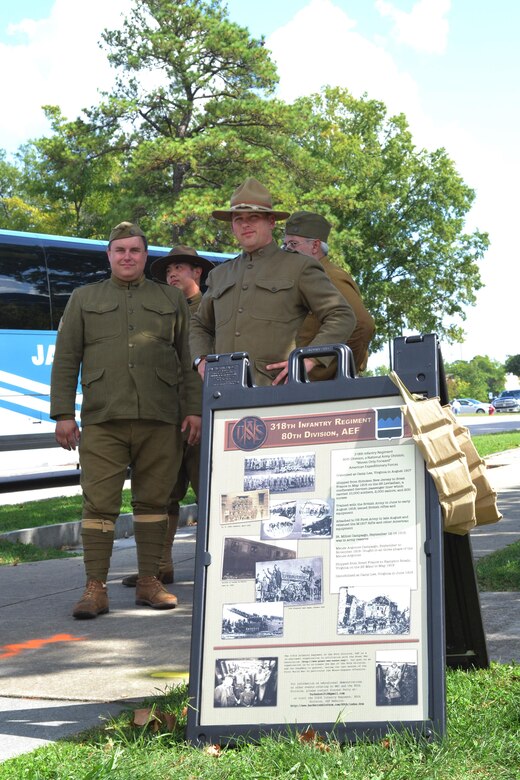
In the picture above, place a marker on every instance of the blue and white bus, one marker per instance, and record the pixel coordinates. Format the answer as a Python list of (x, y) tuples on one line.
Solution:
[(37, 275)]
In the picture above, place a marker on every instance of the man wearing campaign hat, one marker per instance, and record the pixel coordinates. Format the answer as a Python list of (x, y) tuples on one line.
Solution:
[(128, 336), (186, 270), (257, 302), (307, 232)]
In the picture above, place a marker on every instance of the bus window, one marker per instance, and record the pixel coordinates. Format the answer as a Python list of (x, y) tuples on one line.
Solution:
[(71, 268), (24, 294)]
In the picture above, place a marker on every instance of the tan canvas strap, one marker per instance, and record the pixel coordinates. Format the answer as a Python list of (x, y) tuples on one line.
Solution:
[(407, 395), (97, 524), (150, 518)]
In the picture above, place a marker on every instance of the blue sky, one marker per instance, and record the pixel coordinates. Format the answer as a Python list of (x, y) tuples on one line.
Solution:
[(452, 66)]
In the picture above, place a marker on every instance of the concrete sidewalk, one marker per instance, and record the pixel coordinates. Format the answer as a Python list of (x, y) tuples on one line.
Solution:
[(60, 676)]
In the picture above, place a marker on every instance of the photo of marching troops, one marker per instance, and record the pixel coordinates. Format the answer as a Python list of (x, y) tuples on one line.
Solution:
[(248, 682), (367, 611), (243, 507), (280, 474), (241, 621), (293, 582)]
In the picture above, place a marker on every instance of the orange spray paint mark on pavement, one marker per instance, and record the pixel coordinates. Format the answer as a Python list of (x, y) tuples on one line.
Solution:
[(36, 644)]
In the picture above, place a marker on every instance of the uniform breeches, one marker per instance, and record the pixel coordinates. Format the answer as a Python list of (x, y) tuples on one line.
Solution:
[(188, 473), (152, 449)]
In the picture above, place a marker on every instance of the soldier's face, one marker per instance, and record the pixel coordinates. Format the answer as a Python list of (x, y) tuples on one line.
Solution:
[(185, 277), (253, 231), (305, 246), (127, 258)]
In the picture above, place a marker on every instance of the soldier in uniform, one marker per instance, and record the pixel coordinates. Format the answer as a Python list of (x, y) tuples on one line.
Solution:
[(184, 269), (129, 336), (257, 302), (307, 233)]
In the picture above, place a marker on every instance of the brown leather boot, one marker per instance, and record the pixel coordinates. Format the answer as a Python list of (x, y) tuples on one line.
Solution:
[(151, 593), (94, 601), (166, 577)]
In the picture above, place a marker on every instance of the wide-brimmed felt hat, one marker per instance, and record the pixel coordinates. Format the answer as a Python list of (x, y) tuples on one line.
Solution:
[(180, 254), (125, 230), (308, 224), (250, 196)]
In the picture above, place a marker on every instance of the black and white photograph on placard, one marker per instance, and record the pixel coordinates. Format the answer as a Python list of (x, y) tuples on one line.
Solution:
[(246, 682), (315, 518), (282, 521), (299, 581), (244, 507), (257, 620), (242, 553), (280, 473), (374, 610), (396, 678)]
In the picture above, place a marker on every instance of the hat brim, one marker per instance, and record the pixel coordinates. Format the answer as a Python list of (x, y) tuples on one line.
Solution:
[(226, 215), (158, 267)]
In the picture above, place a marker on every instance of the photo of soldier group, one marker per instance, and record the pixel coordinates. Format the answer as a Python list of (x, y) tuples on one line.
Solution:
[(244, 507), (246, 682), (293, 582), (298, 519), (280, 474), (242, 553), (240, 621), (396, 679), (363, 610)]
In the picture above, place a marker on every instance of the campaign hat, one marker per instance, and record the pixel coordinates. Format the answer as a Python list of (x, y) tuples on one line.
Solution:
[(180, 254), (251, 196)]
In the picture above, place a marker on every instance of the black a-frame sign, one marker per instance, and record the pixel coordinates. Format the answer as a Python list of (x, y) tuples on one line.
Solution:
[(319, 593)]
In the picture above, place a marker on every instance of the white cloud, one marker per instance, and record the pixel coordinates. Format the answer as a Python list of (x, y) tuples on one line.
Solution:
[(57, 61), (425, 28), (320, 46)]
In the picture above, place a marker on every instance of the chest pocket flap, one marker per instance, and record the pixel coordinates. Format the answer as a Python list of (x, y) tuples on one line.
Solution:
[(275, 285), (218, 292)]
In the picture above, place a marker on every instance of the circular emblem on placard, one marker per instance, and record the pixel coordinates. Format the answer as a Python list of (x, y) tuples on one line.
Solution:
[(249, 433)]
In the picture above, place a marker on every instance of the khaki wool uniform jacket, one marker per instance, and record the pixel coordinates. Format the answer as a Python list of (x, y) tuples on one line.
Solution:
[(257, 302), (365, 325), (130, 340)]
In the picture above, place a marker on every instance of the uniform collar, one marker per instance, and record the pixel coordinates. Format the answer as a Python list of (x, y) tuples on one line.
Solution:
[(194, 298), (267, 251), (126, 285)]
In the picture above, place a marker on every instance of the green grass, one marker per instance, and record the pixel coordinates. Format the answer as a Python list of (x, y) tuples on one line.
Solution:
[(63, 509), (13, 553), (500, 571), (481, 743), (490, 443)]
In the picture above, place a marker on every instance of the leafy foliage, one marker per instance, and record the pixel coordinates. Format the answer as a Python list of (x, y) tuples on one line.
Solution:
[(475, 378), (512, 365), (398, 213)]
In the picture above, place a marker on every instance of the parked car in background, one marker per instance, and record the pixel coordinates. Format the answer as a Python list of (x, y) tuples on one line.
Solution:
[(471, 406), (507, 401)]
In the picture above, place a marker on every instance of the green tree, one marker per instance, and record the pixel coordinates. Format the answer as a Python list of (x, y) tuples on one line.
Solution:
[(512, 365), (191, 109), (476, 378), (71, 176), (398, 213)]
